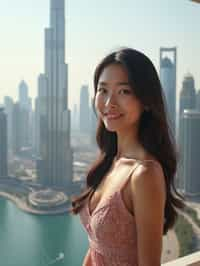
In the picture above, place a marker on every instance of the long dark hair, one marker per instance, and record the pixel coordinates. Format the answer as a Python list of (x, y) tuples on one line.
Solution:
[(154, 132)]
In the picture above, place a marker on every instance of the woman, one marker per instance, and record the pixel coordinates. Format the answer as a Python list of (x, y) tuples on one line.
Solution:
[(130, 198)]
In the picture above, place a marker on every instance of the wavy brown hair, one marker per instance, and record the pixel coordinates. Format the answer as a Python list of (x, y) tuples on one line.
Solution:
[(154, 132)]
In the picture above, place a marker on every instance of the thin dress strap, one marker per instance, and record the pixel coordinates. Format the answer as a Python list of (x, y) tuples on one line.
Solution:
[(125, 181)]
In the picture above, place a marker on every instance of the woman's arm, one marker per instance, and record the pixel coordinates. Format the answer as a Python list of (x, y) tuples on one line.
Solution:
[(148, 196), (87, 260)]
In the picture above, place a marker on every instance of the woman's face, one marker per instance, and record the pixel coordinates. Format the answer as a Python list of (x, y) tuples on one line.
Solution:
[(115, 102)]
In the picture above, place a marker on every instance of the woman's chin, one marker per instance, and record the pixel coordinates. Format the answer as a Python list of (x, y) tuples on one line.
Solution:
[(111, 129), (113, 125)]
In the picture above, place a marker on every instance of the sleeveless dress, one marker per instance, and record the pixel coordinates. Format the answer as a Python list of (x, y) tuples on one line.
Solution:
[(111, 230)]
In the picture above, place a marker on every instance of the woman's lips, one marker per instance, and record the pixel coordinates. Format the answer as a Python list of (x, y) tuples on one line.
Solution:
[(113, 116)]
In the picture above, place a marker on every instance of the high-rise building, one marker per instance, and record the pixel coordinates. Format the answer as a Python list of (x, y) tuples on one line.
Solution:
[(84, 110), (24, 127), (93, 123), (25, 114), (168, 81), (75, 118), (187, 98), (56, 157), (41, 116), (8, 103), (187, 94), (198, 100), (31, 134), (23, 94), (189, 181), (16, 126), (3, 144), (36, 141)]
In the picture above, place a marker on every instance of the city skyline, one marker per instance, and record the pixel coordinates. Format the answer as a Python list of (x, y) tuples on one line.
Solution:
[(136, 24)]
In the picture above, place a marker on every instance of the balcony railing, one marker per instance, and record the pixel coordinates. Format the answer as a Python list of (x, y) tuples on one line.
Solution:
[(189, 260)]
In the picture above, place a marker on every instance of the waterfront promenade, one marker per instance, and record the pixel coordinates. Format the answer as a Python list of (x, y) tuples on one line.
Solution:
[(22, 204)]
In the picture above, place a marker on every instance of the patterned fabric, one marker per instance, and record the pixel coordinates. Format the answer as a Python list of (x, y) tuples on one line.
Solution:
[(111, 230)]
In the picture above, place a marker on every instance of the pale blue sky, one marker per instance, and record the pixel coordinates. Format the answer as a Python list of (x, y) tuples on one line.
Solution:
[(94, 28)]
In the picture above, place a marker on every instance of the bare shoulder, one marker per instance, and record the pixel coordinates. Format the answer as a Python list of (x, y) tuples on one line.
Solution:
[(148, 176)]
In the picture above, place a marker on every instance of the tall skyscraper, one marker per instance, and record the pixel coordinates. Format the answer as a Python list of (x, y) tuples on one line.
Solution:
[(75, 118), (187, 98), (25, 114), (84, 110), (23, 94), (54, 116), (8, 103), (187, 94), (16, 126), (198, 100), (31, 133), (3, 144), (168, 81), (41, 116), (189, 180)]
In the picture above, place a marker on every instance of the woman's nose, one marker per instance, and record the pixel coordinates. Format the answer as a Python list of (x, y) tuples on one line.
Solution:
[(111, 100)]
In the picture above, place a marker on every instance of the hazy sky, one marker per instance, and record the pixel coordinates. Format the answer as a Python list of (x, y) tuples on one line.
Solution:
[(93, 29)]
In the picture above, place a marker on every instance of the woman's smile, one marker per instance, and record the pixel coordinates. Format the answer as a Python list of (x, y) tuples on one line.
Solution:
[(113, 116)]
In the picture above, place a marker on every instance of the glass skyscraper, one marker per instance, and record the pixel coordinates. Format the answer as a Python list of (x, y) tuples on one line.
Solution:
[(53, 117)]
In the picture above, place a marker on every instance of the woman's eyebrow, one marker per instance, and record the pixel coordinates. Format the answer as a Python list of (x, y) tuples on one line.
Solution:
[(123, 83), (118, 83)]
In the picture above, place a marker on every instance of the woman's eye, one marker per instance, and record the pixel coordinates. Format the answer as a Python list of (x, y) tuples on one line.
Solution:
[(125, 91), (101, 90)]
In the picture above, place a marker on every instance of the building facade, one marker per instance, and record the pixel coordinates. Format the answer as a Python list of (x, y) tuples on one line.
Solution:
[(53, 116), (16, 125), (198, 100), (187, 97), (3, 145), (8, 103), (189, 181), (25, 114), (187, 94), (168, 81), (84, 110)]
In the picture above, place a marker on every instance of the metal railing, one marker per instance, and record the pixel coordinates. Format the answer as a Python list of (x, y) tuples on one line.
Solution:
[(189, 260)]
